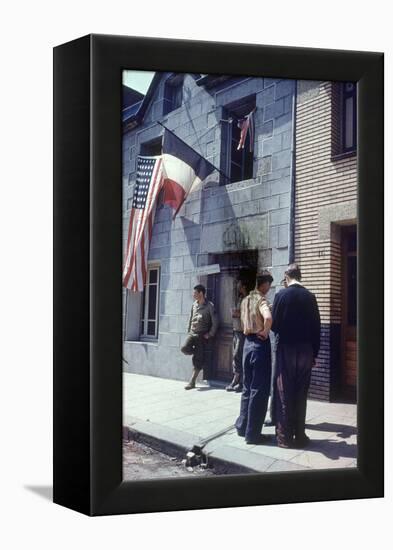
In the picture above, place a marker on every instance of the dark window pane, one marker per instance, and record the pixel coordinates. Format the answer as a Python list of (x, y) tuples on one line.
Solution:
[(153, 275), (151, 328), (152, 302), (352, 242), (349, 115), (352, 286)]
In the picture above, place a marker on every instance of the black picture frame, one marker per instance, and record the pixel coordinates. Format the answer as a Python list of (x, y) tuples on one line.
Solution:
[(87, 275)]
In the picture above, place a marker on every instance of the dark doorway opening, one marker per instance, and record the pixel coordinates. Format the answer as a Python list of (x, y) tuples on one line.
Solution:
[(222, 290), (348, 378)]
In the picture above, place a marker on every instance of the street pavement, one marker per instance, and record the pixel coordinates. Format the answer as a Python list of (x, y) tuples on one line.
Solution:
[(164, 411)]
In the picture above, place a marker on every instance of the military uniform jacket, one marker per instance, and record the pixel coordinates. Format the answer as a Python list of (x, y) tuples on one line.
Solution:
[(203, 319)]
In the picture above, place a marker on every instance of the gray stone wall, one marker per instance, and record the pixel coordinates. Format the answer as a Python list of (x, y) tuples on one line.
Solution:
[(248, 215)]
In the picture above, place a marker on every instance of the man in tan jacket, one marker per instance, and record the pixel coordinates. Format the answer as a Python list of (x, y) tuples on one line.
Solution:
[(256, 321)]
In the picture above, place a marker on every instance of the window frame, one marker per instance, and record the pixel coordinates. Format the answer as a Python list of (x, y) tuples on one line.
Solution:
[(231, 112), (345, 96), (144, 311), (173, 93)]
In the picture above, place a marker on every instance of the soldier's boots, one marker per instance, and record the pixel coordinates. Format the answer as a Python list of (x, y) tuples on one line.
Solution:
[(191, 383)]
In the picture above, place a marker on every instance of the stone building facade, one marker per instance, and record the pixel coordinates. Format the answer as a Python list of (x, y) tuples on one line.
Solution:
[(239, 220)]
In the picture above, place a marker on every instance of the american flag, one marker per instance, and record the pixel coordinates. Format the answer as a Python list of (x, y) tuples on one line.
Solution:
[(148, 184), (246, 124)]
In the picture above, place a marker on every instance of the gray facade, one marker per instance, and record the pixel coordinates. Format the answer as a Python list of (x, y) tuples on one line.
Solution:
[(249, 215)]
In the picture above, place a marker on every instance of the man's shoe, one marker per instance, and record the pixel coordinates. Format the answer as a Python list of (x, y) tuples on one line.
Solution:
[(190, 386), (301, 442), (283, 445), (233, 384), (238, 388), (258, 440)]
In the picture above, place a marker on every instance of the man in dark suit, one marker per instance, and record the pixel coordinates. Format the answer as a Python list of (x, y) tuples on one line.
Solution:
[(296, 321)]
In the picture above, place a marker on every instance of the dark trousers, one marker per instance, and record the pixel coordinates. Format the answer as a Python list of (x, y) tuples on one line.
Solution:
[(293, 373), (195, 345), (256, 386), (237, 361)]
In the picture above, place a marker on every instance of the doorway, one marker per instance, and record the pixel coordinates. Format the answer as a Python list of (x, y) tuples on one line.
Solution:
[(222, 291), (349, 312)]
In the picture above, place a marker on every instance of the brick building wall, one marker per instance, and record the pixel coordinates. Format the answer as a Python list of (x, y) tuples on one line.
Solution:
[(325, 201)]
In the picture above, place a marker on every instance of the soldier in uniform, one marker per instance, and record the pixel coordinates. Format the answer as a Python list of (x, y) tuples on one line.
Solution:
[(256, 320), (202, 326)]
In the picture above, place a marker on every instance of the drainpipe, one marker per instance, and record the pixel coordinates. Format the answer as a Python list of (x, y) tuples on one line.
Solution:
[(291, 251)]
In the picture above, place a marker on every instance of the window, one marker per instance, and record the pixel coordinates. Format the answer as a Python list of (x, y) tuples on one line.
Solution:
[(150, 300), (344, 119), (348, 120), (173, 93), (237, 164)]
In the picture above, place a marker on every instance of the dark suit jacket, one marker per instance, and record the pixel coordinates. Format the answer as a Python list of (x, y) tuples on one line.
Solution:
[(296, 317)]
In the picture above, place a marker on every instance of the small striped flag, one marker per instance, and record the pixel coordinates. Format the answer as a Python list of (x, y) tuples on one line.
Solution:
[(246, 125), (147, 187)]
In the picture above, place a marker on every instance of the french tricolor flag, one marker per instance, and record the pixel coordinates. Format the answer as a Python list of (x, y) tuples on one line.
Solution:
[(184, 170)]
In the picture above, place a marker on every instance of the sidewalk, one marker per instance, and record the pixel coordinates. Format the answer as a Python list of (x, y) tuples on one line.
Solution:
[(161, 410)]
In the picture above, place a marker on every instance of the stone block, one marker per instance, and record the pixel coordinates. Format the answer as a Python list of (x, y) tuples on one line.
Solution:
[(159, 252), (169, 339), (286, 140), (265, 97), (260, 191), (277, 175), (189, 263), (175, 265), (273, 236), (212, 119), (274, 110), (266, 130), (170, 303), (238, 196), (281, 184), (283, 235), (185, 302), (264, 259), (264, 166), (281, 160), (269, 82), (285, 200), (288, 103), (164, 280), (284, 87), (203, 259), (283, 123), (192, 207), (280, 256), (279, 217), (217, 215), (164, 323), (159, 240), (269, 203)]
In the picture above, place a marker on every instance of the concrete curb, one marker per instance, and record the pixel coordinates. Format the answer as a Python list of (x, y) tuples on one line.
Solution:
[(177, 443)]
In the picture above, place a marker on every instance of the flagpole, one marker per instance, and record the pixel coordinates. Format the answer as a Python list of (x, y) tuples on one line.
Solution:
[(189, 146)]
